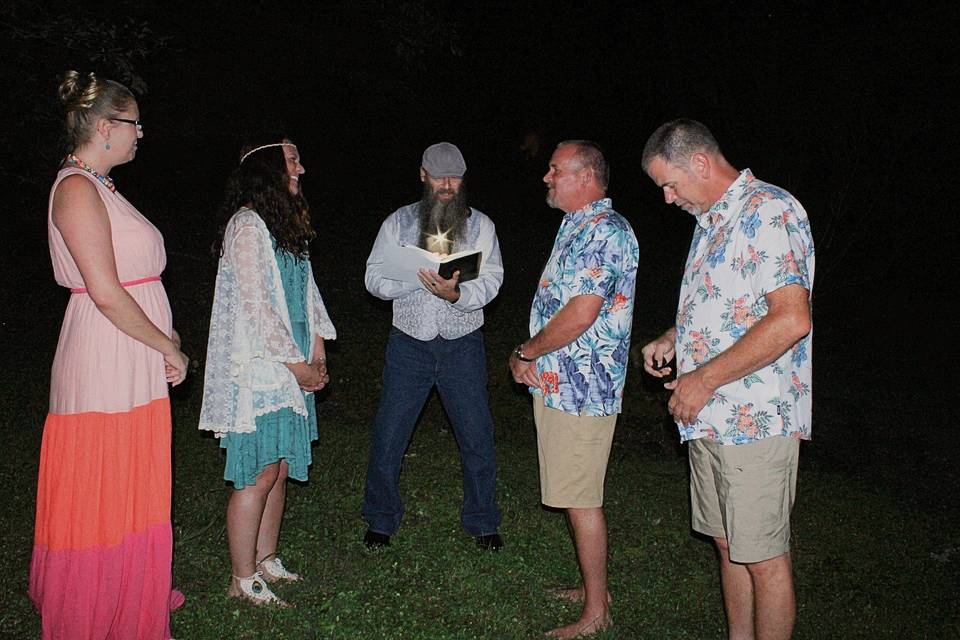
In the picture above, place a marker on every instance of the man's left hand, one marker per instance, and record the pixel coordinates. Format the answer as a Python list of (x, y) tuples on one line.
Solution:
[(689, 397), (448, 290), (523, 372)]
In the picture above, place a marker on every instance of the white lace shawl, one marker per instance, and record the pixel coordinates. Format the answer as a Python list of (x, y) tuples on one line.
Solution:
[(250, 333)]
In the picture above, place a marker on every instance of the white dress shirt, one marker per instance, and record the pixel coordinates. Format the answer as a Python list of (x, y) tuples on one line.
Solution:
[(416, 311)]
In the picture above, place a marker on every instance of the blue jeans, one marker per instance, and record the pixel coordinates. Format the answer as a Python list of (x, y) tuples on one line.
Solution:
[(459, 371)]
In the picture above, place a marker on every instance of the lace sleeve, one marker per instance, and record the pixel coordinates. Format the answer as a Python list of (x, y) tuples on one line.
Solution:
[(320, 324), (260, 301)]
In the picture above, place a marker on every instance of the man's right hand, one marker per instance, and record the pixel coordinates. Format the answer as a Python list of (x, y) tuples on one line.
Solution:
[(658, 353)]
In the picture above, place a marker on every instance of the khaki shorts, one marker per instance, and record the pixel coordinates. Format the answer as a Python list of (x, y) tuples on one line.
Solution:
[(573, 452), (744, 493)]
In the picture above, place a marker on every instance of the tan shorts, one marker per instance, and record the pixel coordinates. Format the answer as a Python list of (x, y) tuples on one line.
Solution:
[(744, 493), (573, 453)]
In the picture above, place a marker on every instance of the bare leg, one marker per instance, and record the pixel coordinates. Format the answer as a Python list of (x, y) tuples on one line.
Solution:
[(758, 597), (573, 594), (272, 515), (244, 515), (775, 608), (737, 594), (589, 527)]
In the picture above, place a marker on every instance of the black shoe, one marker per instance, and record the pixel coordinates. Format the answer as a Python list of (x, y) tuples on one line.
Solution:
[(375, 539), (490, 542)]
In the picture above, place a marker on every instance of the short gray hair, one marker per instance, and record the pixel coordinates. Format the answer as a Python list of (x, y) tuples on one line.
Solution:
[(677, 140), (590, 156)]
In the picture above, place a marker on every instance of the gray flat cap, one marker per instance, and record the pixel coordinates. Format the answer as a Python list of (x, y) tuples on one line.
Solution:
[(443, 160)]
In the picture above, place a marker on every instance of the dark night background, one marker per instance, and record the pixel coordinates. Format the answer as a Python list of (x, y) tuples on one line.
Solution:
[(846, 107), (849, 108)]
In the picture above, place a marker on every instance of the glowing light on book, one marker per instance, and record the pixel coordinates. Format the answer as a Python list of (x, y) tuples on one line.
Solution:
[(438, 242)]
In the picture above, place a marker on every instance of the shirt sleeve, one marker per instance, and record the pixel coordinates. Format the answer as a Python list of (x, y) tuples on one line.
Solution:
[(780, 249), (598, 262), (376, 284), (484, 288)]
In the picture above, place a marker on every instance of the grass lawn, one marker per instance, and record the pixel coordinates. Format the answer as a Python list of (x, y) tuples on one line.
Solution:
[(868, 565)]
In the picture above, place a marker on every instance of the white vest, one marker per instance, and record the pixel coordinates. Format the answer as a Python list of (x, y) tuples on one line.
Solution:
[(416, 311)]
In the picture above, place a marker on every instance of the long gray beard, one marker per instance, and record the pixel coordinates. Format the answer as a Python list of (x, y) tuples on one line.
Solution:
[(437, 216)]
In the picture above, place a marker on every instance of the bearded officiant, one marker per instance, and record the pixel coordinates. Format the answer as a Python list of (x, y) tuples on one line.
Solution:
[(435, 341)]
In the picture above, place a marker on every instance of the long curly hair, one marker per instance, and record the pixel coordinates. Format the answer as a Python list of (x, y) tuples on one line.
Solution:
[(261, 183)]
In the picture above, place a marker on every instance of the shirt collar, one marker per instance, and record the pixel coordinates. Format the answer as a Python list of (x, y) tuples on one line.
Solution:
[(592, 209), (724, 208)]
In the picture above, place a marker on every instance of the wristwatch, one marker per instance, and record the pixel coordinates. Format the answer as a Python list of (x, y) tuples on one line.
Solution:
[(519, 353)]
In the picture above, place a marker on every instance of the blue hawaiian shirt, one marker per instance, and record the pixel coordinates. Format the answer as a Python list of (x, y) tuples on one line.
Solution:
[(752, 241), (595, 253)]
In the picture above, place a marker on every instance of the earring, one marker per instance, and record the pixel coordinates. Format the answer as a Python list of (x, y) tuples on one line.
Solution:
[(107, 146)]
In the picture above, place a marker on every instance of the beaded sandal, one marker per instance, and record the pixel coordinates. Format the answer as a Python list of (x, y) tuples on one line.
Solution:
[(254, 588), (273, 570)]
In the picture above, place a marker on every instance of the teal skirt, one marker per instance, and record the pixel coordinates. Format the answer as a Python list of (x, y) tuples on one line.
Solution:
[(280, 435)]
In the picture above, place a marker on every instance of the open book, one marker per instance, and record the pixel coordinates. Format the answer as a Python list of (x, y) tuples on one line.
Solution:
[(402, 263)]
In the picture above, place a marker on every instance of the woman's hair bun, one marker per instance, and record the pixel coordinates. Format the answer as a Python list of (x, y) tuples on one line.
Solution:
[(78, 91)]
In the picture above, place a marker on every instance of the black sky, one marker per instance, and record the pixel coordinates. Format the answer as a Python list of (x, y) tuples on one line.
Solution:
[(847, 106)]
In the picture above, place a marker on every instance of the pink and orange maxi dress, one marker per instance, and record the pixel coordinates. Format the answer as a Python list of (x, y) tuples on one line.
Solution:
[(103, 545)]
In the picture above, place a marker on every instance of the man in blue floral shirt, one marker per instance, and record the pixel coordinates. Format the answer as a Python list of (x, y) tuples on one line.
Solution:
[(575, 363), (742, 343)]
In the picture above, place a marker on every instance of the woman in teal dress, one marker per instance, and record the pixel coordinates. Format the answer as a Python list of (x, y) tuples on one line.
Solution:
[(265, 358)]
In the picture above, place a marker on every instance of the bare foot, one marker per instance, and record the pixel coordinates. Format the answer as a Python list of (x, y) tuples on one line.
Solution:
[(582, 627), (573, 594)]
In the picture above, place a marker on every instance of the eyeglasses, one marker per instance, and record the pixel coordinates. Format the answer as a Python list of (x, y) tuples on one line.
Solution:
[(135, 123)]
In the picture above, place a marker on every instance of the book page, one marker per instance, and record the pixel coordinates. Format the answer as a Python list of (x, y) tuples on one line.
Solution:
[(402, 263)]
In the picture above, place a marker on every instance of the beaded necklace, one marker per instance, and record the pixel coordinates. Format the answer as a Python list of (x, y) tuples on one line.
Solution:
[(74, 161)]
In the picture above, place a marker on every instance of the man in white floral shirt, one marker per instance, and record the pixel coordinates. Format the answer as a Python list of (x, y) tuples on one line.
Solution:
[(742, 343)]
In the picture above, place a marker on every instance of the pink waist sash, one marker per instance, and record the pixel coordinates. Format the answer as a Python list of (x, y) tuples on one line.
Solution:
[(131, 283)]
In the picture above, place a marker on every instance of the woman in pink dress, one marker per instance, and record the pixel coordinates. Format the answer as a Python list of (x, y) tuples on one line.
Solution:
[(103, 545)]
